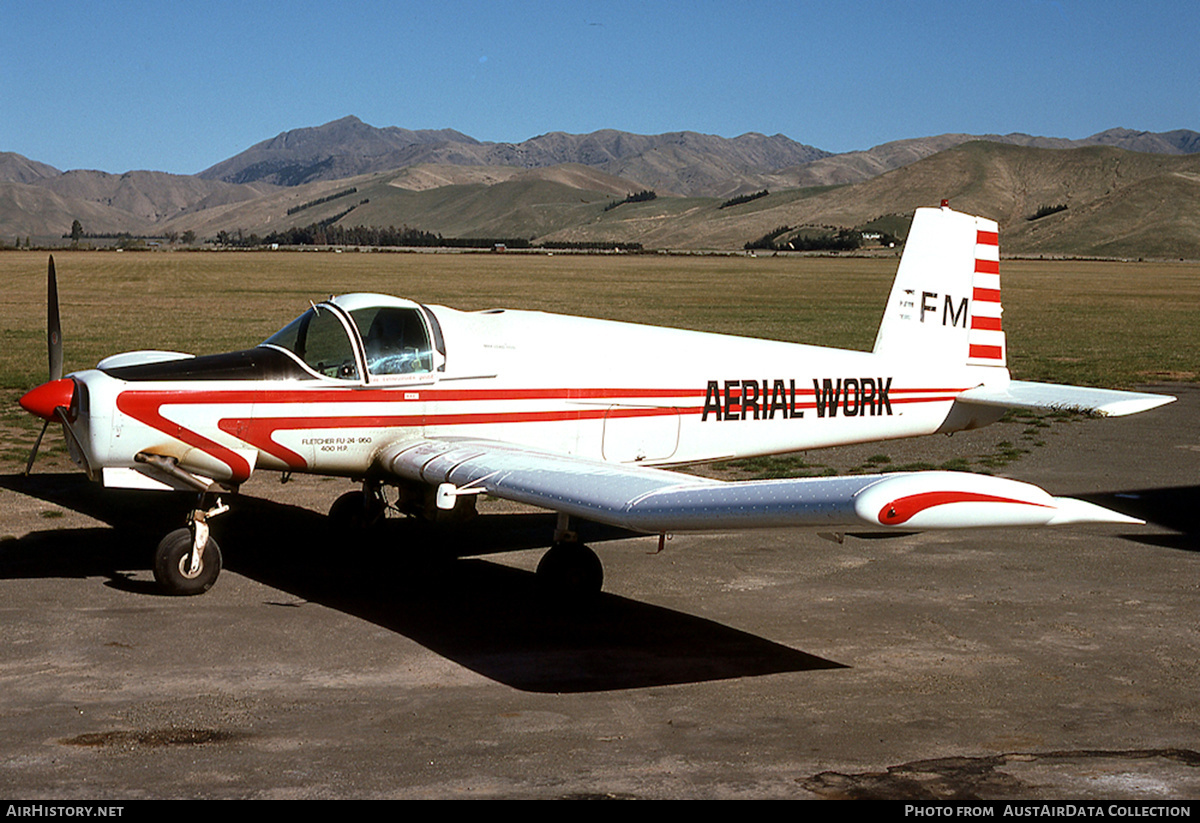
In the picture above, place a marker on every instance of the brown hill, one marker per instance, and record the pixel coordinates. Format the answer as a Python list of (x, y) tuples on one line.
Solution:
[(343, 148), (150, 196), (858, 166), (40, 201), (682, 162), (15, 168), (1119, 203), (574, 175), (33, 211), (455, 201)]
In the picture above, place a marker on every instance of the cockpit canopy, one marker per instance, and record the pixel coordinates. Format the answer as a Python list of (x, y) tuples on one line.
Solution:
[(339, 338)]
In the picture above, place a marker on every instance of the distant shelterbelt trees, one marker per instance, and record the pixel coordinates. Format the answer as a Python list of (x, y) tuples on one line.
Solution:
[(641, 197), (743, 198), (589, 245), (325, 199), (326, 234), (841, 240), (1046, 211), (767, 241)]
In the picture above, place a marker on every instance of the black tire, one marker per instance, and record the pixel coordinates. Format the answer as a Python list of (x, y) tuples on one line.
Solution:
[(570, 571), (170, 560), (353, 512)]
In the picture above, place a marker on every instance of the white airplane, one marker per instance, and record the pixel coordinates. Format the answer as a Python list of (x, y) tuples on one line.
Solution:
[(576, 415)]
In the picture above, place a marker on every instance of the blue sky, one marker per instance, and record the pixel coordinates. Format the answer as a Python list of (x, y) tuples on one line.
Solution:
[(178, 87)]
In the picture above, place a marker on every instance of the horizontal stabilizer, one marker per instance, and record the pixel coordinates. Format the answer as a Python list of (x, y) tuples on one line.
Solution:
[(1020, 394)]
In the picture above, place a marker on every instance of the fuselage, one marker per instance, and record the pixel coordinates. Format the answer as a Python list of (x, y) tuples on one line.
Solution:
[(591, 388)]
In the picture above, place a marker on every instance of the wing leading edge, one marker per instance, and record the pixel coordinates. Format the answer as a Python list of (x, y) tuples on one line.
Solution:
[(654, 500)]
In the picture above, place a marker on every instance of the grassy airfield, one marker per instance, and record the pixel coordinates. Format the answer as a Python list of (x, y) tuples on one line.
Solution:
[(1091, 323)]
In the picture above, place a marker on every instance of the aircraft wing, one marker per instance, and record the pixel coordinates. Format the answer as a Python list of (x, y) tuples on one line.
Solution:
[(650, 500), (1021, 394)]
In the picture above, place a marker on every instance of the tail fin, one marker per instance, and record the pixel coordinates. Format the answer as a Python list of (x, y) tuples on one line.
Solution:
[(945, 301), (945, 309)]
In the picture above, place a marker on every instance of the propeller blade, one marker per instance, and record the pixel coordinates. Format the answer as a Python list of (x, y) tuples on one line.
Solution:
[(53, 325), (54, 346), (36, 445)]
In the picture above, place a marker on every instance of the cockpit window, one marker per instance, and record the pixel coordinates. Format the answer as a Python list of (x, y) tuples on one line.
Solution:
[(395, 340), (319, 339)]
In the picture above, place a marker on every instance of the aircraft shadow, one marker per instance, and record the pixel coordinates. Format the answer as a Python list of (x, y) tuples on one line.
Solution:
[(482, 615), (1174, 507)]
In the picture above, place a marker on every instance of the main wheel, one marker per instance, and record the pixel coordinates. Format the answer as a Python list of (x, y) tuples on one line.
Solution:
[(171, 564), (356, 512), (570, 570)]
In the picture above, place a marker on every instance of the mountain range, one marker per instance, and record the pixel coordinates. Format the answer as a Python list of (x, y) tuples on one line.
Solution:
[(1127, 193)]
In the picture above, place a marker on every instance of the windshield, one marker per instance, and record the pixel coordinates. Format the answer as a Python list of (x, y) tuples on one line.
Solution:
[(394, 339), (319, 339)]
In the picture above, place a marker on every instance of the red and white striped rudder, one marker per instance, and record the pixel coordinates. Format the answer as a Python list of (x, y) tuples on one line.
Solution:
[(945, 302), (986, 337)]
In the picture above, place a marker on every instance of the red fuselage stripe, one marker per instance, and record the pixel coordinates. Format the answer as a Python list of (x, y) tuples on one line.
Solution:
[(258, 430), (146, 407)]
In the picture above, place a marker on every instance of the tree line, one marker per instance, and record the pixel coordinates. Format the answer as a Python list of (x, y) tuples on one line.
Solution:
[(640, 197), (320, 200), (742, 198), (326, 234), (841, 240)]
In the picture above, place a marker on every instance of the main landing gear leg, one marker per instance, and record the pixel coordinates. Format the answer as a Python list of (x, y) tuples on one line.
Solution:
[(359, 511), (188, 560), (569, 569)]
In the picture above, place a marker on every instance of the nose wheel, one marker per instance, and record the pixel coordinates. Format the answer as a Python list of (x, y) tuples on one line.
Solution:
[(188, 560)]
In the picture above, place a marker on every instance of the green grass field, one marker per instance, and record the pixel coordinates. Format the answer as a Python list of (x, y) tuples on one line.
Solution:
[(1092, 323)]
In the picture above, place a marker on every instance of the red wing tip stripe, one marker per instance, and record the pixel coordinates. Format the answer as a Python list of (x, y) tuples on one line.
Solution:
[(987, 238), (903, 509), (987, 266)]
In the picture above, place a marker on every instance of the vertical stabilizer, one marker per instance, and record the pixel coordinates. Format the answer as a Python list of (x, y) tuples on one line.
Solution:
[(945, 301)]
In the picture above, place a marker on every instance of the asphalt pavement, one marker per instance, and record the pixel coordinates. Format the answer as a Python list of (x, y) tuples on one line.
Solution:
[(990, 664)]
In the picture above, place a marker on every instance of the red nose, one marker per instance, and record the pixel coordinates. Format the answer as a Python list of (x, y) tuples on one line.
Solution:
[(43, 400)]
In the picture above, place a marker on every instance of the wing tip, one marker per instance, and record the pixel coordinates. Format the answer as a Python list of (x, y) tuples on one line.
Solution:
[(1140, 403), (1070, 510)]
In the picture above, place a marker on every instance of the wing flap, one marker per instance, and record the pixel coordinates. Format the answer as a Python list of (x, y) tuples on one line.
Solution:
[(1021, 394), (654, 500)]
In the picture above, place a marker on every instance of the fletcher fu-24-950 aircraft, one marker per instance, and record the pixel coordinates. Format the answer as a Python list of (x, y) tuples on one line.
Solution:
[(576, 415)]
